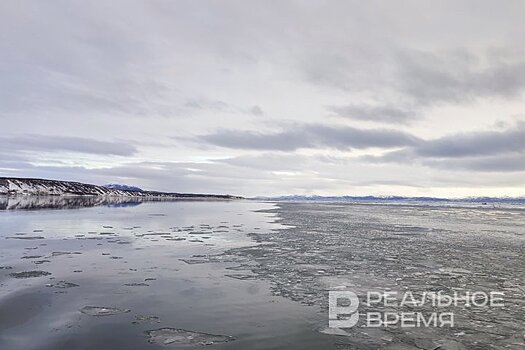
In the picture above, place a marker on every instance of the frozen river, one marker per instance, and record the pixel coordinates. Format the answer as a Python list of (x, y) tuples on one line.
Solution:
[(244, 274)]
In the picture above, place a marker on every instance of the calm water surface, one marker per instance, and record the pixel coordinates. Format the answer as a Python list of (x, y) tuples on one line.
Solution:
[(257, 272), (147, 259)]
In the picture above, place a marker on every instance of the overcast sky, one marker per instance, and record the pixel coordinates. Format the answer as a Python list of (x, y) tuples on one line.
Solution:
[(266, 97)]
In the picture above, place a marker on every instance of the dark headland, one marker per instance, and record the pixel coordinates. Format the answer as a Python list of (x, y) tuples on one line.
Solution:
[(10, 186)]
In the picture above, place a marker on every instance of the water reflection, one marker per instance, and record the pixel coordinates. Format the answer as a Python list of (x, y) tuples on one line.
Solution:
[(143, 277), (69, 202)]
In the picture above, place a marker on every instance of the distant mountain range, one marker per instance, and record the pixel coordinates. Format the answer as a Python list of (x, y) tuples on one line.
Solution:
[(481, 200), (41, 187), (123, 187)]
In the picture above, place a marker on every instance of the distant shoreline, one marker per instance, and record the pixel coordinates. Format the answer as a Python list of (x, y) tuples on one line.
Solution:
[(12, 187)]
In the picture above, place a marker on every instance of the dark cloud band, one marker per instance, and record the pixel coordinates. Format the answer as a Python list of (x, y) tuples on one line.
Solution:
[(65, 144), (311, 136)]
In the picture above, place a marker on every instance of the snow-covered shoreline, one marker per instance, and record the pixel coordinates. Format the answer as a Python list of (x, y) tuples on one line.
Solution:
[(44, 187)]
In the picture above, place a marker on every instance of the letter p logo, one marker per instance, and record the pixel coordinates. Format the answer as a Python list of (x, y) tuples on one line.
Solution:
[(342, 309)]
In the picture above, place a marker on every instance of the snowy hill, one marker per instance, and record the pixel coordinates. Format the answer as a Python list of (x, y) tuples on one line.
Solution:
[(42, 187), (123, 187)]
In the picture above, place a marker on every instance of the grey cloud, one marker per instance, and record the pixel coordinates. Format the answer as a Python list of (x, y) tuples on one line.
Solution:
[(283, 141), (400, 156), (311, 136), (494, 164), (267, 162), (490, 151), (276, 161), (476, 143), (429, 78), (386, 114), (257, 111), (48, 143), (490, 164), (464, 145), (204, 103), (421, 78)]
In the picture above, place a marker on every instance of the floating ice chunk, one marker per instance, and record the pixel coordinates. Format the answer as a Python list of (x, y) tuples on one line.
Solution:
[(451, 345), (64, 285), (136, 284), (29, 274), (177, 336), (334, 331), (40, 262), (64, 253), (241, 276), (102, 311), (145, 318)]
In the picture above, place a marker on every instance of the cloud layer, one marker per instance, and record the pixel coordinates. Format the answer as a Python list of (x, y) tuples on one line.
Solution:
[(252, 98), (55, 143), (310, 136)]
